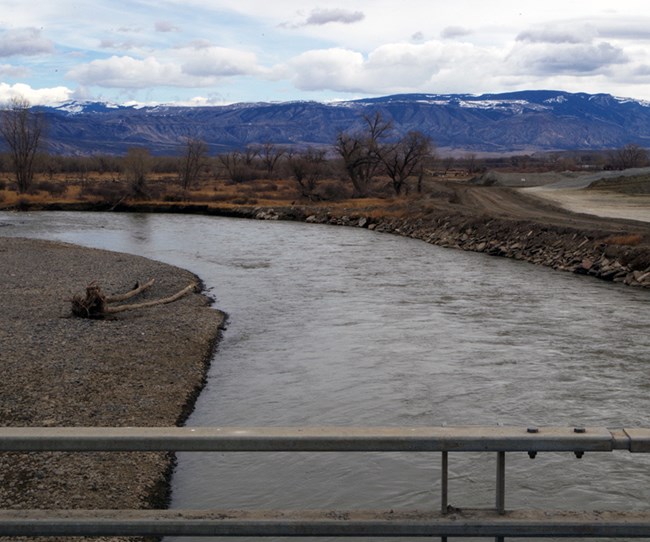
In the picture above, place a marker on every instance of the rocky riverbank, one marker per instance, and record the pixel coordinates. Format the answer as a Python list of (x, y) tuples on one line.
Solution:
[(609, 254), (139, 368), (608, 249)]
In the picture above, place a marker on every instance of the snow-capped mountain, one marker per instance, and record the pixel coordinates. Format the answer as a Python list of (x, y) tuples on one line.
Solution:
[(518, 121)]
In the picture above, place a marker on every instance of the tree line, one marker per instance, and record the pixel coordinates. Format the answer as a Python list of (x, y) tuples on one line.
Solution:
[(372, 151)]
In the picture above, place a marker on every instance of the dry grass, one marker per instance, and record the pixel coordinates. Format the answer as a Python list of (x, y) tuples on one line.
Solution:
[(632, 186), (105, 188), (624, 240)]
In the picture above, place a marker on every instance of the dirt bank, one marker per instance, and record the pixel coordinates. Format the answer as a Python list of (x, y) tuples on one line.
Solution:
[(141, 368)]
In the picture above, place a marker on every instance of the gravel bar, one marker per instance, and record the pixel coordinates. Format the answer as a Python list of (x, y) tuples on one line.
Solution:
[(136, 368)]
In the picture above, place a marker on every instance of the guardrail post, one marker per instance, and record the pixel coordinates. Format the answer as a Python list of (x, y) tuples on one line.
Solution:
[(501, 487), (444, 483), (501, 482)]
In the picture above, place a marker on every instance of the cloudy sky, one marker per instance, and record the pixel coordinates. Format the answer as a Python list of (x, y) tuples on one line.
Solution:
[(225, 51)]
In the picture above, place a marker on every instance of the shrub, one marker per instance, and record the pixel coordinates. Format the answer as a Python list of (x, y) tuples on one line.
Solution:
[(244, 201), (334, 191), (54, 189), (111, 192), (221, 197)]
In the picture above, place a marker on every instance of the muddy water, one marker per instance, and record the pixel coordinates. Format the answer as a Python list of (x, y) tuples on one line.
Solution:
[(337, 326)]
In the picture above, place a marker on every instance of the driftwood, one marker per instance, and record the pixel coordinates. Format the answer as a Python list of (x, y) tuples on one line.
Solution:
[(138, 288), (95, 304)]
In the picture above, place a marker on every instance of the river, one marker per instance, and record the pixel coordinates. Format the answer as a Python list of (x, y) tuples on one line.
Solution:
[(343, 326)]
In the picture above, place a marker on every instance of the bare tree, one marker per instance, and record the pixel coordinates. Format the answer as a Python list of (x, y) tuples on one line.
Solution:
[(229, 162), (406, 157), (194, 158), (360, 152), (629, 156), (22, 129), (271, 155), (138, 163), (307, 168), (249, 154)]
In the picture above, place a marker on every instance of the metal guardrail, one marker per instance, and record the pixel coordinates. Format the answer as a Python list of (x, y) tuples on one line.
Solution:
[(446, 522)]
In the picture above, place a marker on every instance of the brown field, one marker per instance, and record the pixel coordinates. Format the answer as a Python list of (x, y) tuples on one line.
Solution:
[(165, 189)]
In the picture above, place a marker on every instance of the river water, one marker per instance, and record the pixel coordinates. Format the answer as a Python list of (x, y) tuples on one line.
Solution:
[(342, 326)]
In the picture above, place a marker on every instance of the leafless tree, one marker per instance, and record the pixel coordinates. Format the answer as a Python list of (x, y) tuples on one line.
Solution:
[(360, 152), (271, 154), (195, 154), (306, 168), (138, 163), (406, 157), (22, 130), (629, 156), (249, 154), (229, 162)]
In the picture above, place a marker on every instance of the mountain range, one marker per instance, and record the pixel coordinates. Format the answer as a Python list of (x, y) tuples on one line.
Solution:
[(515, 122)]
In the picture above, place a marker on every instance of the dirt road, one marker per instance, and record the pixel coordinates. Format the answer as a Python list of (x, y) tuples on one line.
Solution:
[(569, 191), (604, 204), (524, 204)]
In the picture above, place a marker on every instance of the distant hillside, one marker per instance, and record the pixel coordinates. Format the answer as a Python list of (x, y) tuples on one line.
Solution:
[(518, 121)]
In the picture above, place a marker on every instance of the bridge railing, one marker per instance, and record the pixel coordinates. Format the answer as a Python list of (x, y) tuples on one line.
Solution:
[(444, 522)]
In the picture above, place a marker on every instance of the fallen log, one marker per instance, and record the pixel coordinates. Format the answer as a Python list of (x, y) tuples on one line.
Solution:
[(96, 304)]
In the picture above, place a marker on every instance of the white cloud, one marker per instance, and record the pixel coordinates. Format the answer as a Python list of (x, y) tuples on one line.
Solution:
[(24, 41), (166, 26), (549, 35), (398, 67), (325, 16), (241, 49), (122, 46), (7, 70), (187, 67), (211, 61), (333, 69), (623, 28), (40, 96), (560, 32), (328, 15), (451, 32), (566, 58), (127, 72)]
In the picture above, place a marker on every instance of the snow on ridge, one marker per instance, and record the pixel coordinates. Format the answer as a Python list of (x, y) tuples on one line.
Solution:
[(71, 107), (560, 99), (74, 107), (623, 100), (516, 106), (433, 102)]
